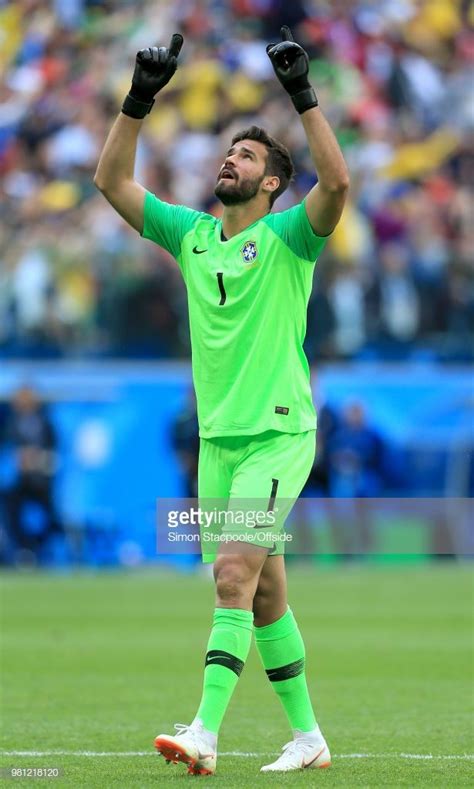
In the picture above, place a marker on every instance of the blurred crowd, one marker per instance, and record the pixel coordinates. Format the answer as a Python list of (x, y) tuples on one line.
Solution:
[(394, 78)]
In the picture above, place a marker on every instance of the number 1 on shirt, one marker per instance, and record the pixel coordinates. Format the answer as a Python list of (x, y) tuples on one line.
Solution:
[(220, 282)]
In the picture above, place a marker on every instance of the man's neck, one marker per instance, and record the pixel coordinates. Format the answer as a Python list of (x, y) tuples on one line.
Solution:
[(236, 218)]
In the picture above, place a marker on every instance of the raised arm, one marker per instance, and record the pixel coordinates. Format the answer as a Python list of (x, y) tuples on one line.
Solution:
[(114, 177), (326, 200)]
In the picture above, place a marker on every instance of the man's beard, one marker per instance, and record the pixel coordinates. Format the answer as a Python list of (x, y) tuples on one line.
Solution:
[(232, 193)]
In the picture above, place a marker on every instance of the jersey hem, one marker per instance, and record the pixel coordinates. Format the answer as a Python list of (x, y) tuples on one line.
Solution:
[(252, 431)]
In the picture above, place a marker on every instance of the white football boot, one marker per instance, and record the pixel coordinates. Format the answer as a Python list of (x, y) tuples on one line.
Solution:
[(193, 745), (306, 750)]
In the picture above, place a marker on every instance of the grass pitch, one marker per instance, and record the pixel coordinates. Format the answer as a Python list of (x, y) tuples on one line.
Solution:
[(99, 664)]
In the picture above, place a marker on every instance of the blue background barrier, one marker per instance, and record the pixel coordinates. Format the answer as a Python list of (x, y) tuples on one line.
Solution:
[(114, 423)]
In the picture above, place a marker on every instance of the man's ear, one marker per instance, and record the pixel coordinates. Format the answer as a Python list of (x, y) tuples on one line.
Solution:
[(270, 183)]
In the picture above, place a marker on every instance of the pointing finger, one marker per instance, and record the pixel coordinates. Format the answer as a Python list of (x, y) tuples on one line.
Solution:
[(176, 44), (286, 34)]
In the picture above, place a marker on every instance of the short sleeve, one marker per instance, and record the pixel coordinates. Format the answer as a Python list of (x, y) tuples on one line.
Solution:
[(167, 224), (294, 229)]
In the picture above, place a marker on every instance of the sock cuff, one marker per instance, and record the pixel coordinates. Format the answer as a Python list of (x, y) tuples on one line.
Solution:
[(283, 627), (237, 617)]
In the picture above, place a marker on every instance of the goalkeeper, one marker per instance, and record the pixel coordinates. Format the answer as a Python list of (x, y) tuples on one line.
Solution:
[(248, 278)]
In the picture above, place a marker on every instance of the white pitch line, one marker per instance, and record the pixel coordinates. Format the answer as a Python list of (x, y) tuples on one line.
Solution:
[(427, 756)]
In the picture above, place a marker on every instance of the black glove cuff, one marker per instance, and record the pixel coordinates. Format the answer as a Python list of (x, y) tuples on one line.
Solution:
[(135, 108), (304, 100)]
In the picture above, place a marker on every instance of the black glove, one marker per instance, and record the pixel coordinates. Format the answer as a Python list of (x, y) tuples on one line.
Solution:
[(154, 68), (291, 65)]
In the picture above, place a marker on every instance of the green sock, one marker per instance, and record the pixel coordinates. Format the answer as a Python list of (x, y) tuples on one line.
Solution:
[(283, 656), (227, 651)]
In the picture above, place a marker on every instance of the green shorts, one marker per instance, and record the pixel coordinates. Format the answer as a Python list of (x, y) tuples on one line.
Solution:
[(252, 482)]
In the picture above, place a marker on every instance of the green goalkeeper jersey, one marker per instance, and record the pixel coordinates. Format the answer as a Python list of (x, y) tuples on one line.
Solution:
[(247, 298)]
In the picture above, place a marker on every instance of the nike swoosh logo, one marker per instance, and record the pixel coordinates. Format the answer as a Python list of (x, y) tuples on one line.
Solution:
[(308, 764), (199, 251)]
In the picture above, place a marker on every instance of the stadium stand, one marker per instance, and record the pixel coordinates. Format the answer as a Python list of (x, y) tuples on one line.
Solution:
[(394, 79)]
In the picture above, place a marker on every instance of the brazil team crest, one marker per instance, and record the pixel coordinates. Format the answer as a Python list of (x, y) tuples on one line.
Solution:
[(249, 252)]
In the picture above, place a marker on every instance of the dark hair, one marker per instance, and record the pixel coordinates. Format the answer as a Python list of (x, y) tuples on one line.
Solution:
[(278, 160)]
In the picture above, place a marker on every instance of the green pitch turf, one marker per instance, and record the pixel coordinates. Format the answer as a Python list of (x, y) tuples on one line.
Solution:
[(103, 663)]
